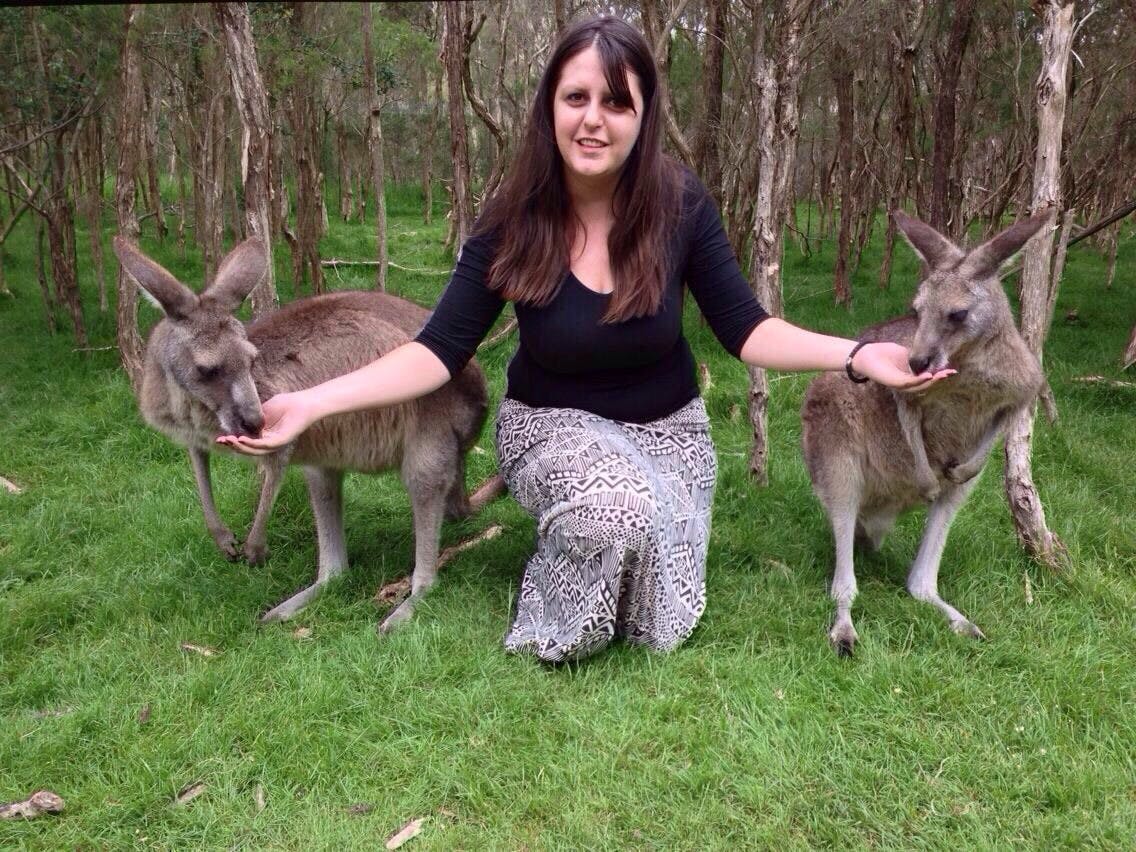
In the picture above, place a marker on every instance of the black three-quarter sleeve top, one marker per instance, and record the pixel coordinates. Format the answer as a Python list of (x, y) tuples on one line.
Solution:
[(636, 371)]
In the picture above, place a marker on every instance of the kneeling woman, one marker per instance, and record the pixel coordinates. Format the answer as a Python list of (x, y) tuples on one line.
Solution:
[(602, 435)]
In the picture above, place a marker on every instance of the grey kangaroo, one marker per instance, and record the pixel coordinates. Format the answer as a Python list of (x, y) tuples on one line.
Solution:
[(873, 452), (205, 374)]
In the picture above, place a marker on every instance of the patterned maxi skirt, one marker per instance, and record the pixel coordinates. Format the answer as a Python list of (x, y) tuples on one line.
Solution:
[(623, 523)]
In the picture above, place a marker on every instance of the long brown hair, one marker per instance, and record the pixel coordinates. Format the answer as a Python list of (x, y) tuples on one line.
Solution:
[(531, 217)]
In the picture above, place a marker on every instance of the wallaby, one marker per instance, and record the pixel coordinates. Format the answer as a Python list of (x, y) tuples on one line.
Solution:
[(873, 452), (205, 374)]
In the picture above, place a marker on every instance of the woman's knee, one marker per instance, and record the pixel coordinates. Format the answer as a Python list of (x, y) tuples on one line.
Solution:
[(608, 513)]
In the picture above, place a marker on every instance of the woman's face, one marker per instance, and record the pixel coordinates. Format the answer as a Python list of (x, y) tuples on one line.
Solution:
[(594, 133)]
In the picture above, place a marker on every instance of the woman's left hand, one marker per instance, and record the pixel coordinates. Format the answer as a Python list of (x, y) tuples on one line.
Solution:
[(886, 363)]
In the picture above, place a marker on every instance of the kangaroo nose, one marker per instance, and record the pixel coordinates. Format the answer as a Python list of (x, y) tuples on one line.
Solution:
[(918, 364), (252, 425)]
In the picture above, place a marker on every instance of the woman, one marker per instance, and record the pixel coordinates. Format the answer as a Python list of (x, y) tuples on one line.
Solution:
[(602, 435)]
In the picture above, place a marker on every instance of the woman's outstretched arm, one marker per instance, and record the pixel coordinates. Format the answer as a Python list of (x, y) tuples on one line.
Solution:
[(779, 345), (403, 374)]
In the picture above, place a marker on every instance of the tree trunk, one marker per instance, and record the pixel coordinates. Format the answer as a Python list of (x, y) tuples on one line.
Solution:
[(41, 276), (129, 136), (706, 150), (150, 139), (1038, 284), (93, 204), (658, 36), (303, 117), (452, 47), (256, 149), (375, 149), (777, 79), (427, 154), (59, 214), (561, 13), (942, 157), (842, 78), (500, 143)]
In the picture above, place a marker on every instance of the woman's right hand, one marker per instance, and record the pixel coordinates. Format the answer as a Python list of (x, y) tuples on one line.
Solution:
[(286, 416)]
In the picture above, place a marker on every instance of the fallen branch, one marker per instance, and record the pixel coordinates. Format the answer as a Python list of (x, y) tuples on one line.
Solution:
[(505, 331), (1101, 380), (398, 590), (487, 492), (37, 804), (336, 262), (10, 486), (450, 552), (393, 593)]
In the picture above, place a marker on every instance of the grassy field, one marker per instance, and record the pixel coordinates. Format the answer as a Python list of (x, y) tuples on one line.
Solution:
[(752, 735)]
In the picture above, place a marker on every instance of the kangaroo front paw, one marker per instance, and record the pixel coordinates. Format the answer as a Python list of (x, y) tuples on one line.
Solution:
[(227, 543), (929, 490), (254, 552), (960, 473)]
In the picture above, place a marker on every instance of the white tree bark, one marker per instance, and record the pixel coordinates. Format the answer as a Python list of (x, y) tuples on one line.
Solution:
[(375, 150), (777, 77), (1038, 280), (256, 148), (129, 144)]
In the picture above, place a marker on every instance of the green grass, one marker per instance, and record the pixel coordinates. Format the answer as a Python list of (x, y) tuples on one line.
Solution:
[(751, 735)]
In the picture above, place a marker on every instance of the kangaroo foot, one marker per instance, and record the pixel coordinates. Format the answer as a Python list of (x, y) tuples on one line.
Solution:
[(843, 638), (963, 627), (397, 616), (293, 605), (960, 624)]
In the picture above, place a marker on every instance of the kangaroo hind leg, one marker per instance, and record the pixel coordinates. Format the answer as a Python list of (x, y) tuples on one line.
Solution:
[(843, 634), (923, 579), (325, 487), (430, 474)]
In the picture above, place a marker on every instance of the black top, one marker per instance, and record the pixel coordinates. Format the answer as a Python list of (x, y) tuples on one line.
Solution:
[(635, 371)]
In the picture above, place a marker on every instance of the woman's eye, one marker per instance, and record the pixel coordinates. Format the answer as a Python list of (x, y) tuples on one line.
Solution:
[(574, 98)]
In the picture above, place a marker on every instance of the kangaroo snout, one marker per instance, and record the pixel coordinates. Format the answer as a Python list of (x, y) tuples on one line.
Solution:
[(250, 425), (919, 363)]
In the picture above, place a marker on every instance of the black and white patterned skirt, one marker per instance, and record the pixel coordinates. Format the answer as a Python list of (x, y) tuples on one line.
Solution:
[(623, 523)]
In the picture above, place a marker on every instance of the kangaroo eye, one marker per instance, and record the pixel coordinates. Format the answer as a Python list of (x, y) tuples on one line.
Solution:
[(208, 373), (958, 317)]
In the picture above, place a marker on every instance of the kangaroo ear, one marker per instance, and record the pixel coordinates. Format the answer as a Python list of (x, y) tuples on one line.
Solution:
[(933, 248), (986, 259), (240, 271), (168, 294)]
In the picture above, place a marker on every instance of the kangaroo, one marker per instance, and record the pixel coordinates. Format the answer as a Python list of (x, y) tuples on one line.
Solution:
[(873, 453), (205, 374)]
